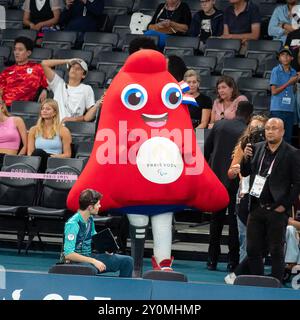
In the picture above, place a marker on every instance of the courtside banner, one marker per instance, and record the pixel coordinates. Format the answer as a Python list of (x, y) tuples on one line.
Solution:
[(44, 286)]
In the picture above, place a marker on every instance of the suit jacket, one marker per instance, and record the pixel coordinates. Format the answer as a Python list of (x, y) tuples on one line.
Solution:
[(219, 145), (284, 180)]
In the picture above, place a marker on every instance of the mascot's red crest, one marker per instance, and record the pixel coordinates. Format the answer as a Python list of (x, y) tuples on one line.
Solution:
[(145, 151)]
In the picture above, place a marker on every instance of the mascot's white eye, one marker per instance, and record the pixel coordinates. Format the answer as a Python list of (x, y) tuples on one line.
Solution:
[(171, 95), (134, 97)]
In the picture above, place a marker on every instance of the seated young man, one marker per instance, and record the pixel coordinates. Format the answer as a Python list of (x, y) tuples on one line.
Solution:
[(75, 99), (79, 230), (25, 79), (241, 21)]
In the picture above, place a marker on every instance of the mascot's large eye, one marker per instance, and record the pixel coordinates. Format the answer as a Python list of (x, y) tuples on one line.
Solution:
[(171, 95), (134, 97)]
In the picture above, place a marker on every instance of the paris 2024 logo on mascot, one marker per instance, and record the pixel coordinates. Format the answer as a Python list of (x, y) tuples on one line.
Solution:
[(145, 160)]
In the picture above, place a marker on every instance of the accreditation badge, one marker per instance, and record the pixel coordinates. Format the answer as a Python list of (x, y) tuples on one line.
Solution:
[(258, 185)]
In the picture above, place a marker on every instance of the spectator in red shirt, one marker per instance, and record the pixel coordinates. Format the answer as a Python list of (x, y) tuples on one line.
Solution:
[(23, 80)]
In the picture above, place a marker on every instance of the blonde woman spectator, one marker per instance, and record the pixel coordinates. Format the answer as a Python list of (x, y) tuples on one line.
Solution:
[(200, 114), (12, 134), (49, 138), (225, 105)]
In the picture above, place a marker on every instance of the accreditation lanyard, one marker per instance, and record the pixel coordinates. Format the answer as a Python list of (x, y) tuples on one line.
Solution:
[(259, 181)]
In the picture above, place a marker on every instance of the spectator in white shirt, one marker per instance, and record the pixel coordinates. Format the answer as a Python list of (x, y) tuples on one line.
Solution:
[(74, 98)]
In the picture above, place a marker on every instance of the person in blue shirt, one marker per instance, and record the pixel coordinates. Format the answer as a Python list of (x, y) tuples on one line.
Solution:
[(280, 24), (283, 99), (79, 230)]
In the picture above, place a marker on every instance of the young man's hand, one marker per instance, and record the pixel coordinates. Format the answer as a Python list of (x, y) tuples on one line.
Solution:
[(99, 265)]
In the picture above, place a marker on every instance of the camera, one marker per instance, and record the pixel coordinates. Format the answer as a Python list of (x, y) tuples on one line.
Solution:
[(256, 135)]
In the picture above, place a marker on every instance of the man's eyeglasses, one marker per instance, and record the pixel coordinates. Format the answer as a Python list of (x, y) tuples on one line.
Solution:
[(222, 115)]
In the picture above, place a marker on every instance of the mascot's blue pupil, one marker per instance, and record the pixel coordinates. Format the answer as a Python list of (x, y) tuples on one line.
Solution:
[(173, 95), (134, 97)]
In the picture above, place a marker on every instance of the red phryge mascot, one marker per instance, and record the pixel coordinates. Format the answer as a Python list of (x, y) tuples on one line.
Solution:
[(145, 160)]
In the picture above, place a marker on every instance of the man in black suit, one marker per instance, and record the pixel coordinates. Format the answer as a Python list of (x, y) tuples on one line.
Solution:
[(274, 166), (218, 149)]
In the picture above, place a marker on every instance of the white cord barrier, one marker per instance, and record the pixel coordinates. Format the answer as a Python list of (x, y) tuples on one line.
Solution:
[(42, 176)]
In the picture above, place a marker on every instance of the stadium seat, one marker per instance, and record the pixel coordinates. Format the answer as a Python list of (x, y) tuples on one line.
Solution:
[(39, 54), (254, 86), (200, 62), (122, 20), (95, 79), (81, 131), (262, 50), (99, 41), (181, 45), (30, 122), (98, 92), (50, 213), (129, 37), (266, 8), (240, 64), (257, 281), (208, 84), (9, 35), (165, 275), (268, 66), (83, 150), (222, 4), (5, 54), (146, 6), (194, 6), (221, 48), (118, 7), (25, 109), (121, 31), (73, 268), (261, 105), (59, 40), (110, 63), (239, 67), (14, 19), (17, 194)]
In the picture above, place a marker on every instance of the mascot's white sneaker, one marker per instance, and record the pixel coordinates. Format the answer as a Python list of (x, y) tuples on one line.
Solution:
[(164, 265)]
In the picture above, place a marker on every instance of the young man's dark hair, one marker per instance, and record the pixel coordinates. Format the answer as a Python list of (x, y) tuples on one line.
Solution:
[(28, 43), (88, 197), (177, 67), (141, 43), (244, 110)]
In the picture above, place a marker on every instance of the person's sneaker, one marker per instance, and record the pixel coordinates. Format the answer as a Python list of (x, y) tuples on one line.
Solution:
[(229, 279)]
